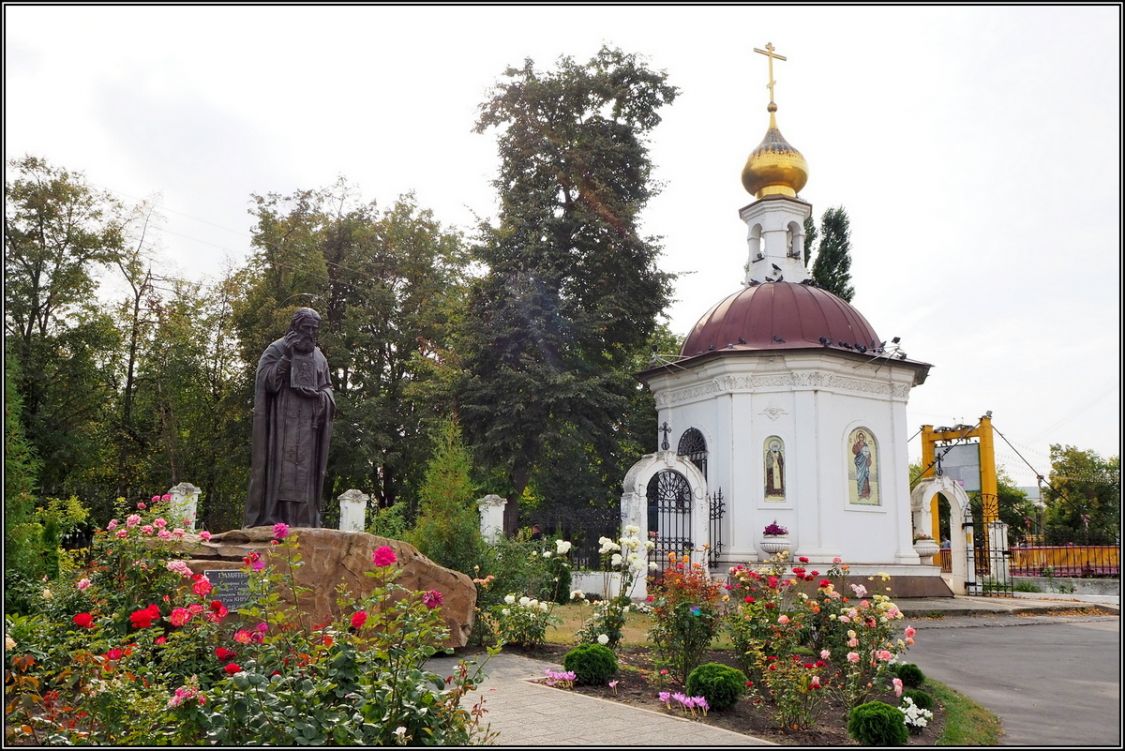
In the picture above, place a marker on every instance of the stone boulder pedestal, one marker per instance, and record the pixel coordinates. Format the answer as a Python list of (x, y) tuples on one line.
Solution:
[(331, 557)]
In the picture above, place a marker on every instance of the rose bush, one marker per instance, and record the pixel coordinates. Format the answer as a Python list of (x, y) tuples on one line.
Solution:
[(144, 654)]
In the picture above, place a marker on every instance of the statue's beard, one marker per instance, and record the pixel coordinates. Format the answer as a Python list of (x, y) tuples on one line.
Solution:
[(304, 345)]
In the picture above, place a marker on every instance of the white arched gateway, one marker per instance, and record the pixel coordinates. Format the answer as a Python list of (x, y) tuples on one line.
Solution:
[(665, 496), (960, 518)]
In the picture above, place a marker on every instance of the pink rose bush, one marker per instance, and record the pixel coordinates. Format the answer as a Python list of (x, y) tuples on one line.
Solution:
[(799, 644)]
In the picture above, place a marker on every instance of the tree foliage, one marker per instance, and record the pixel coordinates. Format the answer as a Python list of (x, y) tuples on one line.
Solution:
[(832, 268), (810, 239), (448, 528), (58, 232), (572, 290), (1083, 498)]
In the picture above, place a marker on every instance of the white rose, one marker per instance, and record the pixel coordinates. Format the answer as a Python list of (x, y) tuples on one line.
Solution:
[(652, 566), (505, 611), (577, 594), (650, 545), (510, 599), (546, 553), (544, 607), (603, 639), (625, 609), (615, 560), (562, 547), (524, 600), (9, 643), (532, 603), (632, 529)]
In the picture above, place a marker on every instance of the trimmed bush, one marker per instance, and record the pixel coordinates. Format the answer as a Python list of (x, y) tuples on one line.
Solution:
[(720, 685), (920, 697), (911, 675), (592, 664), (877, 724)]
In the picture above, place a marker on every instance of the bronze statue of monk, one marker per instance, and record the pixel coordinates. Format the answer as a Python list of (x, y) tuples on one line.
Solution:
[(293, 410)]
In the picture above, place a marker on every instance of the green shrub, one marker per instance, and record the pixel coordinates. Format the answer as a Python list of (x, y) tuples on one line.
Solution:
[(1025, 586), (720, 685), (920, 697), (592, 664), (877, 724), (911, 675)]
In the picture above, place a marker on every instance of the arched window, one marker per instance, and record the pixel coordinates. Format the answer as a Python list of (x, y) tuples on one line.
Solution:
[(694, 446)]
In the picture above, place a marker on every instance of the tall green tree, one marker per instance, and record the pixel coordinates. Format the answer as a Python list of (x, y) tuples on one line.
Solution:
[(58, 232), (832, 268), (1084, 498), (572, 290)]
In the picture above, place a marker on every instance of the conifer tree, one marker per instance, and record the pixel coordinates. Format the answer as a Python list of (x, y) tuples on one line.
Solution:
[(448, 528), (832, 268)]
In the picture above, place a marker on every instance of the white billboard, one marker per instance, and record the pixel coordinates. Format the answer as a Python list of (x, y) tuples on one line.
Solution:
[(961, 463)]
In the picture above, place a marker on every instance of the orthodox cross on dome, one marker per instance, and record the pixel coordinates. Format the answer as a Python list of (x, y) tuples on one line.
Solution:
[(769, 53)]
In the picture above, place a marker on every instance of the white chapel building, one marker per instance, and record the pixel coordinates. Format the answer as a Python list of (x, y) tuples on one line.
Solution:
[(786, 404)]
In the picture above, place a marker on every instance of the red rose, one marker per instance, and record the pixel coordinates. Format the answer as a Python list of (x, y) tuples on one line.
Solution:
[(115, 654), (803, 559), (224, 654), (384, 556), (232, 668), (144, 618), (83, 620), (358, 619)]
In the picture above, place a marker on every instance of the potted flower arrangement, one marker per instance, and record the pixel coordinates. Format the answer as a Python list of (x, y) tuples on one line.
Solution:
[(775, 538), (925, 546)]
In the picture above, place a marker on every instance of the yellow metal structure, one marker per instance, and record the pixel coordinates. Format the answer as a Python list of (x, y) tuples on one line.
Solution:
[(990, 500)]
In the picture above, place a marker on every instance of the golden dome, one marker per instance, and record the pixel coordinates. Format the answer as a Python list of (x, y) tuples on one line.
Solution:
[(775, 168)]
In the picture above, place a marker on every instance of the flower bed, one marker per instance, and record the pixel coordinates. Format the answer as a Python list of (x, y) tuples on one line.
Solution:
[(808, 657), (639, 683)]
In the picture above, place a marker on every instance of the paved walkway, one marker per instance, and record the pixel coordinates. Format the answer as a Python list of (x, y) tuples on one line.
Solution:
[(531, 714), (527, 713)]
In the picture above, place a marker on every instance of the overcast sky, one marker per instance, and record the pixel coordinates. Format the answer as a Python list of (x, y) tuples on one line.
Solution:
[(975, 149)]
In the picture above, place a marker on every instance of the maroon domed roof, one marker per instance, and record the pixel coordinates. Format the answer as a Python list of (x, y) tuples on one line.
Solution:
[(780, 315)]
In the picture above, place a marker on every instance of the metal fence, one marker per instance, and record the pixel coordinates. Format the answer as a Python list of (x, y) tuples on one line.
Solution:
[(1066, 560), (1055, 560)]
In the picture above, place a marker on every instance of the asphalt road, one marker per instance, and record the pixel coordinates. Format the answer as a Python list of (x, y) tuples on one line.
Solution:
[(1051, 680)]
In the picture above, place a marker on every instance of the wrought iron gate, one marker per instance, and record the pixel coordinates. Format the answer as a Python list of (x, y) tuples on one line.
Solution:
[(669, 516), (988, 564)]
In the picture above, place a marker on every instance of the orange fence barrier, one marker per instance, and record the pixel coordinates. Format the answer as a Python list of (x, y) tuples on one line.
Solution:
[(1066, 560), (1058, 560)]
